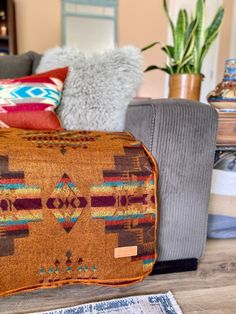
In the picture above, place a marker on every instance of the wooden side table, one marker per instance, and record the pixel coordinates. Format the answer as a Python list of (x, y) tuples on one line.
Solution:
[(226, 135)]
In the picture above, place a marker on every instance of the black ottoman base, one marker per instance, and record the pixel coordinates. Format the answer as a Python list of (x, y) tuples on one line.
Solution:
[(182, 265)]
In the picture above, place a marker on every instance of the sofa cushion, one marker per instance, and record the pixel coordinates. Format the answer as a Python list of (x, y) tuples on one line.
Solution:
[(28, 102), (99, 88), (15, 66), (36, 58)]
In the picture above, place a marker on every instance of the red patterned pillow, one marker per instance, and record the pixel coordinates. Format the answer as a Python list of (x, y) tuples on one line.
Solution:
[(29, 102)]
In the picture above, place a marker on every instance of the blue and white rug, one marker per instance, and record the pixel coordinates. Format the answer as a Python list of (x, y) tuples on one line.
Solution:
[(145, 304)]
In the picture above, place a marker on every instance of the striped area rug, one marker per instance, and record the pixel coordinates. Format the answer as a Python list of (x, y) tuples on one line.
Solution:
[(145, 304)]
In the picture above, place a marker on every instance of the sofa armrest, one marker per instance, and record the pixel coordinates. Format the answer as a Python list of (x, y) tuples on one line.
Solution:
[(181, 135)]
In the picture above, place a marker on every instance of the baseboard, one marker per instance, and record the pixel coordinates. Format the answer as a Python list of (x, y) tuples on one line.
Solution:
[(176, 266)]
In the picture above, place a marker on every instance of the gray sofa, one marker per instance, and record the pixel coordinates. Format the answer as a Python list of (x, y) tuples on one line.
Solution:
[(181, 135), (19, 65)]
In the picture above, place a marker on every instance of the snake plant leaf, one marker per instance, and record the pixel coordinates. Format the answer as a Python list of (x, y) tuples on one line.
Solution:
[(179, 35), (190, 45), (190, 32), (189, 40), (174, 69), (188, 69), (211, 34), (165, 6), (205, 49), (169, 50), (200, 33), (169, 69), (195, 60), (215, 25), (185, 61), (150, 46), (186, 17), (155, 67)]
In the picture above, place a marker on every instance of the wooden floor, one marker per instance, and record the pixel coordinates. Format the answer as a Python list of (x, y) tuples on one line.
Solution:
[(211, 289)]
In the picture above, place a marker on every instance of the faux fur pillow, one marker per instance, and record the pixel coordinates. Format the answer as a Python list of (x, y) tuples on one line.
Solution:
[(98, 88)]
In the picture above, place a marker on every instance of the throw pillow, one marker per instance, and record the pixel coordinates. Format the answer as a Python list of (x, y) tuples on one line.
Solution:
[(33, 120), (36, 57), (99, 87), (29, 102)]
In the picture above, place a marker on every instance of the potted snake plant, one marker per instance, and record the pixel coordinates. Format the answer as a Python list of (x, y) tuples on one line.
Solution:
[(191, 42)]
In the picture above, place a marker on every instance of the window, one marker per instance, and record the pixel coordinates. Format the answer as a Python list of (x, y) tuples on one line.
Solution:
[(90, 25)]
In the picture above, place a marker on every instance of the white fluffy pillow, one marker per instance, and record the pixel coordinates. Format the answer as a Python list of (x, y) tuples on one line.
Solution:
[(98, 88)]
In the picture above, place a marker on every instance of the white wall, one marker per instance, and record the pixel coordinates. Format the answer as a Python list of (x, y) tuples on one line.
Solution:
[(140, 22), (38, 24), (233, 34)]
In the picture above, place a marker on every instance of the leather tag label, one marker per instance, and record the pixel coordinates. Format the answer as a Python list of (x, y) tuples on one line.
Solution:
[(125, 251)]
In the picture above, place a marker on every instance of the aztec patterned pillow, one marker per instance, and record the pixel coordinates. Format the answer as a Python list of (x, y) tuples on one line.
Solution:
[(29, 102), (222, 208)]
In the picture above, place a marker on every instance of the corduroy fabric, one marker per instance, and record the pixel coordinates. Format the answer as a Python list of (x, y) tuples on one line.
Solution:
[(75, 207), (181, 135)]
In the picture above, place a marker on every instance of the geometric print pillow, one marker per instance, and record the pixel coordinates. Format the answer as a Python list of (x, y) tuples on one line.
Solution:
[(29, 102)]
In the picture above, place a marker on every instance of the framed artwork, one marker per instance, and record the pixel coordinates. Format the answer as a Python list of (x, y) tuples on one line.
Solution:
[(90, 25)]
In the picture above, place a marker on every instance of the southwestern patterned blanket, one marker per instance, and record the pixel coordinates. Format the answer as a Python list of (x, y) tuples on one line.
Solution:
[(75, 207)]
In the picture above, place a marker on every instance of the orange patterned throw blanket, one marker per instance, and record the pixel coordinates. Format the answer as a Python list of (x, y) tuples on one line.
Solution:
[(75, 207)]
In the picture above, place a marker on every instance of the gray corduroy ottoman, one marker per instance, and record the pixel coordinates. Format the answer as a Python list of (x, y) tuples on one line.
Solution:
[(181, 135)]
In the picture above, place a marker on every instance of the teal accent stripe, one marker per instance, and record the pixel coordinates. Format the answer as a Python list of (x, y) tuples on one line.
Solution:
[(148, 261), (71, 185), (60, 185), (18, 222), (123, 217), (122, 183), (61, 220), (9, 186), (114, 218)]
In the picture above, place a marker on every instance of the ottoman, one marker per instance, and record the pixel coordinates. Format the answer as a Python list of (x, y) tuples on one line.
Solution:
[(75, 207), (181, 135), (222, 208)]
